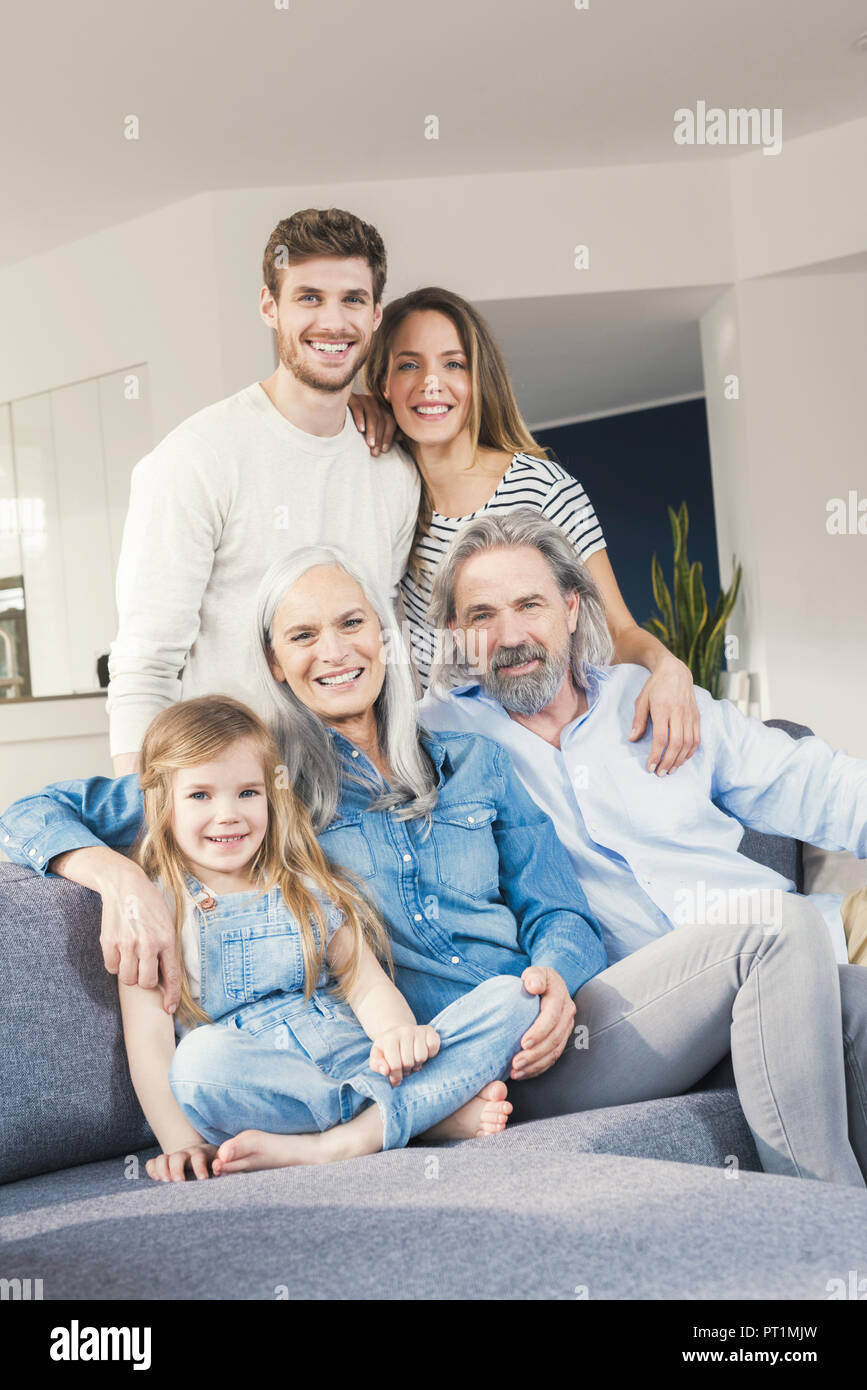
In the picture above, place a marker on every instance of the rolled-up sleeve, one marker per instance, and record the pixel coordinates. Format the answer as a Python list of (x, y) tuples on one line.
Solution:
[(92, 811), (785, 786)]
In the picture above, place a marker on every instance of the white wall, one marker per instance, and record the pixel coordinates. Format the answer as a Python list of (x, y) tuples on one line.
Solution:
[(794, 330), (807, 343), (739, 534)]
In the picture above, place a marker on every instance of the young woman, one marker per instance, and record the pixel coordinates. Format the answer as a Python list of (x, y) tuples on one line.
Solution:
[(278, 1069), (436, 364)]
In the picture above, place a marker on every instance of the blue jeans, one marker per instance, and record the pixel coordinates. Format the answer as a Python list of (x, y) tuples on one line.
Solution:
[(296, 1067)]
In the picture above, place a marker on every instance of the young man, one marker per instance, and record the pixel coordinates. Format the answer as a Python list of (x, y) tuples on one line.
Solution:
[(279, 465)]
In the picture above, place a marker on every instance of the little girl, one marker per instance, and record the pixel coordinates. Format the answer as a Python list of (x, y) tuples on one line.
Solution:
[(275, 1069)]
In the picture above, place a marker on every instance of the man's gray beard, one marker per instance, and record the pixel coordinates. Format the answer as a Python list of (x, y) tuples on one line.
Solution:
[(294, 363), (530, 693)]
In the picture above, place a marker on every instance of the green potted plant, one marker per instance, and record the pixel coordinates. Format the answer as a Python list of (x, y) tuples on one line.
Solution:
[(686, 626)]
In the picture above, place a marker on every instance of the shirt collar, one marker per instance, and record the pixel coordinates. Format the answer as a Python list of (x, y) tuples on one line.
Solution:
[(436, 749)]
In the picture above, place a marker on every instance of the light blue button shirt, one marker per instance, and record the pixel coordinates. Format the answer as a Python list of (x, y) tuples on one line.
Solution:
[(654, 852)]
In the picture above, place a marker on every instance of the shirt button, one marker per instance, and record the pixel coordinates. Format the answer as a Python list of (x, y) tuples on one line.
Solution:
[(456, 960), (355, 752), (33, 854), (471, 820), (417, 917), (407, 859), (5, 839)]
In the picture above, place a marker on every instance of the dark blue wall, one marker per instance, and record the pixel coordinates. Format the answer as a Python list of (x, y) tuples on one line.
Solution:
[(632, 466)]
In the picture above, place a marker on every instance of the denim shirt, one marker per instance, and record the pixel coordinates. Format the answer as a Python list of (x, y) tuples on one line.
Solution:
[(488, 890)]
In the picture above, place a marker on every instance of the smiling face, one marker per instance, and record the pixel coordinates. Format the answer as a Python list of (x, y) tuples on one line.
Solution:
[(220, 814), (428, 384), (325, 320), (511, 595), (327, 645)]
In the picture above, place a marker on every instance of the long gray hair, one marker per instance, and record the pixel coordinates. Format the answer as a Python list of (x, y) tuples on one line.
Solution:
[(591, 640), (306, 747)]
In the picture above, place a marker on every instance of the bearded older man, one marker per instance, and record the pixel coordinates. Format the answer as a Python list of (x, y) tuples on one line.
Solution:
[(650, 854)]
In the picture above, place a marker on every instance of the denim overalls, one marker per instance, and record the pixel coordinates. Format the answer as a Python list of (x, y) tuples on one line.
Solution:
[(274, 1061)]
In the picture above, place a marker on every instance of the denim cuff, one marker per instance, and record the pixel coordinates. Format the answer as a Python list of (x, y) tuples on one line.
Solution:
[(575, 966), (36, 851)]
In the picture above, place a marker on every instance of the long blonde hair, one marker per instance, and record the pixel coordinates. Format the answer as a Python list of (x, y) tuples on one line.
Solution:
[(495, 422), (196, 731)]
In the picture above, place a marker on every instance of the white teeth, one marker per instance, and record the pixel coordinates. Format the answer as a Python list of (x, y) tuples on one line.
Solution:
[(224, 839), (339, 680), (330, 347), (432, 409)]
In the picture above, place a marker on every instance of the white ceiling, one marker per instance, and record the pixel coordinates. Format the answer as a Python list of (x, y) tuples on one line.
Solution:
[(235, 94), (579, 355)]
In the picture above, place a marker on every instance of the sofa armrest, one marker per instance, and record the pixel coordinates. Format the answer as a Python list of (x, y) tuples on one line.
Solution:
[(65, 1091), (778, 852)]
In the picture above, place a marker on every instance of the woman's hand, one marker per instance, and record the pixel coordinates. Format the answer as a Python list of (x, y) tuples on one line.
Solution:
[(376, 424), (404, 1049), (545, 1039), (138, 934), (668, 697), (172, 1167)]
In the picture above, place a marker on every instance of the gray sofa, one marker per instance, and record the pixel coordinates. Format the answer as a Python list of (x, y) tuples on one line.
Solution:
[(662, 1200)]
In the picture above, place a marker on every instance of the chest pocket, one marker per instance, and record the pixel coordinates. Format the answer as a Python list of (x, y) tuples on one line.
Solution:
[(345, 843), (260, 959), (656, 807), (466, 852)]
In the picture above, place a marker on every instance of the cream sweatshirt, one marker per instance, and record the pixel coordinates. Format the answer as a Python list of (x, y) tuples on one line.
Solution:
[(225, 494)]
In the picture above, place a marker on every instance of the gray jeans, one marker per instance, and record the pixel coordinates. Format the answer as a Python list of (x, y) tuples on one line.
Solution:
[(796, 1024)]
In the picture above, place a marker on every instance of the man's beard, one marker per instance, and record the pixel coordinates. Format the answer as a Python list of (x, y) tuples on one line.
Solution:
[(294, 361), (530, 693)]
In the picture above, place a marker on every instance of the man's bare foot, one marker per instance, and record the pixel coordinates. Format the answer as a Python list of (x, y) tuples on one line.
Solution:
[(255, 1148), (486, 1113)]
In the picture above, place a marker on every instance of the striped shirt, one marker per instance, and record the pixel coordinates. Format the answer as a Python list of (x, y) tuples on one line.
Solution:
[(528, 482)]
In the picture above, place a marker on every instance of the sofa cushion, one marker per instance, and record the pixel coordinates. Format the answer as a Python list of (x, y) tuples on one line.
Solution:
[(705, 1127), (65, 1092), (487, 1219)]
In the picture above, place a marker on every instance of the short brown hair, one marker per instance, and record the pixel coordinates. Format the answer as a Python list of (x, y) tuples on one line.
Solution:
[(323, 232)]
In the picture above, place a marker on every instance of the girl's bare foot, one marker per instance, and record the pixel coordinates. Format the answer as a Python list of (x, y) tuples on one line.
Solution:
[(486, 1113), (255, 1148)]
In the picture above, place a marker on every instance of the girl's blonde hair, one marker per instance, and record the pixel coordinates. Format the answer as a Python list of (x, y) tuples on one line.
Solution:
[(495, 422), (197, 731)]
